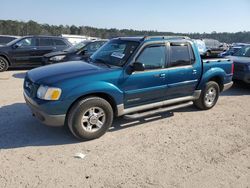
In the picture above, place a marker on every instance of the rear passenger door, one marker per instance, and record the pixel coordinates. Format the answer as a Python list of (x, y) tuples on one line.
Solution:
[(184, 70), (45, 45)]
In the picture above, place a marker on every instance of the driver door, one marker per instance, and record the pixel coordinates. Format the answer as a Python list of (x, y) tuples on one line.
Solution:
[(147, 86), (24, 51)]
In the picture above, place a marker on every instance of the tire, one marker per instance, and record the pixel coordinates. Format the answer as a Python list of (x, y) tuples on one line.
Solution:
[(90, 118), (209, 96), (4, 65)]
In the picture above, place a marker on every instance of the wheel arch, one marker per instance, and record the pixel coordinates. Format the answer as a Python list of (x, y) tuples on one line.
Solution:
[(218, 80), (214, 74), (6, 57), (102, 95)]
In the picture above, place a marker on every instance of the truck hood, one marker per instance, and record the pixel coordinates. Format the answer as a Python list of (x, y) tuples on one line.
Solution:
[(51, 74), (52, 54)]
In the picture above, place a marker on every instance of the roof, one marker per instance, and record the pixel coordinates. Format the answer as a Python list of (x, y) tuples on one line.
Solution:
[(45, 36), (13, 36), (96, 40), (148, 38)]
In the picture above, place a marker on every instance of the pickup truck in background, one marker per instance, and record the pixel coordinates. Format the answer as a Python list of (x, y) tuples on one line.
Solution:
[(132, 77)]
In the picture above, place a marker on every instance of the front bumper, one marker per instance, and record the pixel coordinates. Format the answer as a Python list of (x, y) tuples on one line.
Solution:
[(47, 119)]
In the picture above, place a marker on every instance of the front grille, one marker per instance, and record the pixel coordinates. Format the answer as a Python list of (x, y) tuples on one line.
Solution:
[(30, 87)]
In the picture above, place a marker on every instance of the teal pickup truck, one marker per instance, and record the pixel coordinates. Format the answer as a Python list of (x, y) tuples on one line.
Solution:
[(132, 77)]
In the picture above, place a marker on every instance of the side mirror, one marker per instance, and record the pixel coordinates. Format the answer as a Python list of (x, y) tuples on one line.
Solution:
[(16, 45), (137, 66)]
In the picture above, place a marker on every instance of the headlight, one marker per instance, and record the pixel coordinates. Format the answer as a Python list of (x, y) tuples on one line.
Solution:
[(57, 58), (48, 93)]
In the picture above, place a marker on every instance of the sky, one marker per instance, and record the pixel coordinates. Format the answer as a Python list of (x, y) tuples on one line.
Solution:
[(185, 16)]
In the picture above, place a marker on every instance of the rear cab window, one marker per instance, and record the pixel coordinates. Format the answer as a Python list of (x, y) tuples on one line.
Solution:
[(180, 54)]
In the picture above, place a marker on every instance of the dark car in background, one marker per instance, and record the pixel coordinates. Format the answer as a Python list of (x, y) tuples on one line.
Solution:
[(241, 61), (28, 51), (232, 50), (5, 39), (214, 47), (80, 51)]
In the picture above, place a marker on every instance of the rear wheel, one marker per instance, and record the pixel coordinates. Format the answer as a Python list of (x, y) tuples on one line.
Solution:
[(209, 96), (4, 65), (90, 118)]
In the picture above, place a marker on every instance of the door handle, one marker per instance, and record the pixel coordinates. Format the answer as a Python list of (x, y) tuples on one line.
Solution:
[(34, 48), (161, 75), (194, 71)]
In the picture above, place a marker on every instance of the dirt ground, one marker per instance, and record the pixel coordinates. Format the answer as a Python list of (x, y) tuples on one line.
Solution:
[(183, 148)]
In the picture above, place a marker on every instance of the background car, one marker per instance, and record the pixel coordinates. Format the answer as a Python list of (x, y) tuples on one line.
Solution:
[(230, 51), (80, 51), (5, 39), (29, 51), (241, 61), (201, 46), (214, 47), (75, 39)]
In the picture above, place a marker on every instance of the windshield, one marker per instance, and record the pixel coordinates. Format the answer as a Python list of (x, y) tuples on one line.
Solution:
[(243, 52), (116, 52), (77, 46)]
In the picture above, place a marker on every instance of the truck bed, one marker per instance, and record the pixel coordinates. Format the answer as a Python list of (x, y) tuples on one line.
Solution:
[(210, 60), (222, 63)]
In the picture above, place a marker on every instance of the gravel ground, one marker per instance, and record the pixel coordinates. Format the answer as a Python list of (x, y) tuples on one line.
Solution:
[(183, 148)]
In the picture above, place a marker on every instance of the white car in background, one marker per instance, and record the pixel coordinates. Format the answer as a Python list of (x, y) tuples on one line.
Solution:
[(75, 39), (201, 46)]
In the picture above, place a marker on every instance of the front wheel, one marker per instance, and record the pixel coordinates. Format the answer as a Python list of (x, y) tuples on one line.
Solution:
[(90, 118), (3, 64), (209, 96)]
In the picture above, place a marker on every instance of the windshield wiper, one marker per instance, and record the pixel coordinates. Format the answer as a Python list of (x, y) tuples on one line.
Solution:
[(103, 62)]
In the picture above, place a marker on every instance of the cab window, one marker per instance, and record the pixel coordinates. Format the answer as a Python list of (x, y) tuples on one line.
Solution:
[(181, 54), (26, 42), (153, 57)]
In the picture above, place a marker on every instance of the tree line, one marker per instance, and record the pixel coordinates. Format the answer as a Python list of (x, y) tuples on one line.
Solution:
[(20, 28)]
